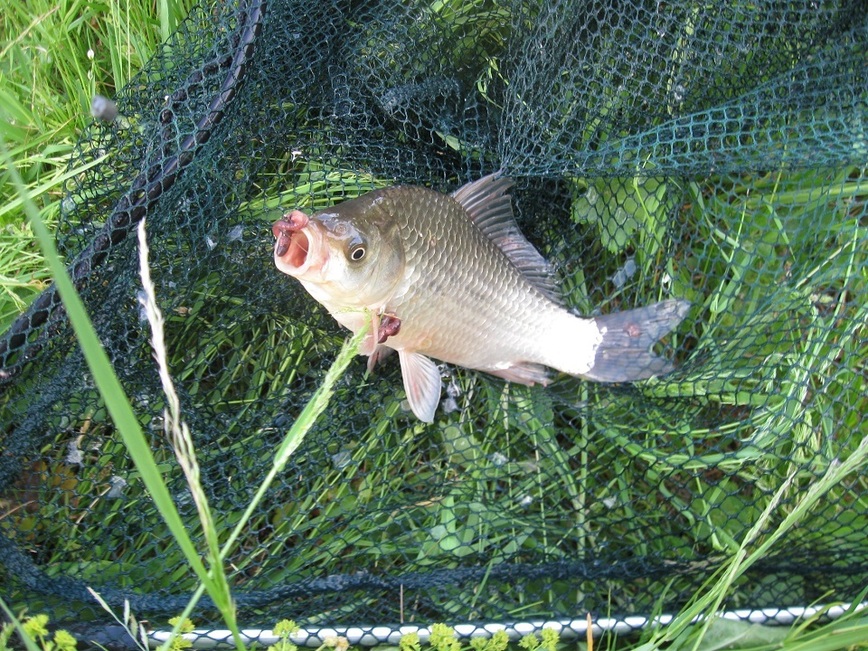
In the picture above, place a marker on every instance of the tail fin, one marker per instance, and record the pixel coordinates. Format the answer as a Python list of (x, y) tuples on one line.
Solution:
[(624, 355)]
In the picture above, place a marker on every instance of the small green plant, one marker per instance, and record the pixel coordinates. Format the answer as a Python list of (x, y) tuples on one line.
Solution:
[(547, 640), (499, 641), (34, 634), (284, 629), (444, 638), (182, 625)]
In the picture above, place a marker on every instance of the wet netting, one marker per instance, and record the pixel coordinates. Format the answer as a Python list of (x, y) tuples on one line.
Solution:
[(713, 152)]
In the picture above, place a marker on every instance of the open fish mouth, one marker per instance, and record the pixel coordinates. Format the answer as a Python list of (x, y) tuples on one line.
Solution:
[(293, 243)]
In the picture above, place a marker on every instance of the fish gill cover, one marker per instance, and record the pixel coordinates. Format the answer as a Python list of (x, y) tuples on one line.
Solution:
[(707, 151)]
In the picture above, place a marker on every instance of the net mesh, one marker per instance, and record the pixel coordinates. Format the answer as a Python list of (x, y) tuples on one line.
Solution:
[(708, 151)]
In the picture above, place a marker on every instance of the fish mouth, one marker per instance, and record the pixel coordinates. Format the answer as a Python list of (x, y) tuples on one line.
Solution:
[(294, 242)]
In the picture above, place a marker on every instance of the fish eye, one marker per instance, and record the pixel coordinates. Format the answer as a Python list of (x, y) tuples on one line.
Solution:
[(357, 252)]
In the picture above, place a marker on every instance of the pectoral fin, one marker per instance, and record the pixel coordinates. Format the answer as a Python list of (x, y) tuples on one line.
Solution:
[(379, 352), (421, 383), (382, 327)]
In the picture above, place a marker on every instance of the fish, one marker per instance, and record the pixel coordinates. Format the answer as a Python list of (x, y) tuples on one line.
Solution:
[(450, 277)]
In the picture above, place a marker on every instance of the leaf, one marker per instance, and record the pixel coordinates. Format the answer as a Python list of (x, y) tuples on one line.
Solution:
[(733, 634), (621, 208)]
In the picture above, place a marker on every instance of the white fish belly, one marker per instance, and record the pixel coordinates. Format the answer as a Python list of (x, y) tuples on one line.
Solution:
[(497, 331)]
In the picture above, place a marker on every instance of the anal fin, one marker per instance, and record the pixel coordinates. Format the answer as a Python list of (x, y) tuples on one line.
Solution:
[(529, 374)]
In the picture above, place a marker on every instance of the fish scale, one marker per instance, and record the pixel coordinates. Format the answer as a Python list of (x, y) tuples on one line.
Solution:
[(464, 291), (452, 278)]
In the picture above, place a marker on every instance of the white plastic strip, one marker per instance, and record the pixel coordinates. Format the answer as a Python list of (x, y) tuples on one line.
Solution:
[(566, 628)]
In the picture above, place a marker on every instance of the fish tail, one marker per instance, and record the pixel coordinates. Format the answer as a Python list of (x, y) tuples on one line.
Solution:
[(624, 354)]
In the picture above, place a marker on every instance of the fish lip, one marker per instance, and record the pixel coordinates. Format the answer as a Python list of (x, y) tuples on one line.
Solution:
[(297, 244)]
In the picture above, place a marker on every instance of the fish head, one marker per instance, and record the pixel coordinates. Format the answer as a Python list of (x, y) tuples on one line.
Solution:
[(350, 255)]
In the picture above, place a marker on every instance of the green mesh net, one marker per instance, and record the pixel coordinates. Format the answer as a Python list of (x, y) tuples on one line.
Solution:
[(713, 152)]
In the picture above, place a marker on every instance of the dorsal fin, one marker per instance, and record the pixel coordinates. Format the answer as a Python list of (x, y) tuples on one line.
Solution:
[(490, 207)]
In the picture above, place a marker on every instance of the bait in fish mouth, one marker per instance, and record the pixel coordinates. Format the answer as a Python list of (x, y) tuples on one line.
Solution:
[(451, 277), (283, 230)]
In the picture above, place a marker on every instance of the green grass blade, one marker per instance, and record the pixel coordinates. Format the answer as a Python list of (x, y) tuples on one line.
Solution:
[(709, 600), (23, 197), (108, 384), (300, 428), (312, 410)]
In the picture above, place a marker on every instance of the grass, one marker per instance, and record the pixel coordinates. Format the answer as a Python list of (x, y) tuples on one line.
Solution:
[(738, 454), (55, 57), (213, 579)]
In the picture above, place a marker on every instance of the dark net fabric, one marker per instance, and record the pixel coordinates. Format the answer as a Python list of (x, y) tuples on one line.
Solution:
[(713, 152)]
